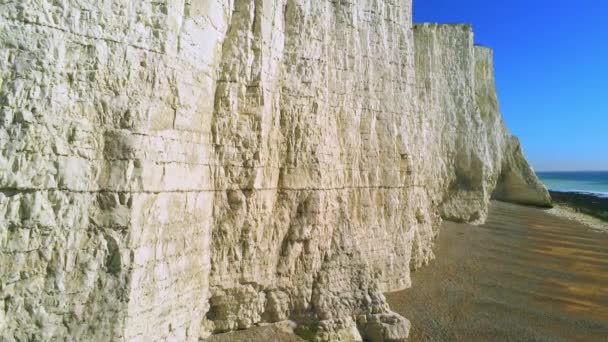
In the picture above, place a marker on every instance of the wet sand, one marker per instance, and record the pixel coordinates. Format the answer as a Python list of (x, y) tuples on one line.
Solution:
[(525, 275)]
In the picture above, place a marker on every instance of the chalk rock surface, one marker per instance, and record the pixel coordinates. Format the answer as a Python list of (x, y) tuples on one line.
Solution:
[(175, 169), (472, 155)]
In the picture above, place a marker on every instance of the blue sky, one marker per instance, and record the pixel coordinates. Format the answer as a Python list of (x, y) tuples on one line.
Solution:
[(551, 64)]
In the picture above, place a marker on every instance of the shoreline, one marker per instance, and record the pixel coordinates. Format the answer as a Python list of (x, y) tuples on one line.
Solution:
[(569, 213), (584, 208)]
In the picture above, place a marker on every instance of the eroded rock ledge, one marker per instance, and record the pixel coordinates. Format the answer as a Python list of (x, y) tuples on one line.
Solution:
[(174, 169)]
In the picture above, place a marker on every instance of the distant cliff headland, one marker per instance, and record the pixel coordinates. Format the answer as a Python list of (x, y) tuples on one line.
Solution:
[(171, 170)]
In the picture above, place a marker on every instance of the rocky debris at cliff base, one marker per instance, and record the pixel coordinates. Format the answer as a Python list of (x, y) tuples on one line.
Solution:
[(280, 331), (384, 328)]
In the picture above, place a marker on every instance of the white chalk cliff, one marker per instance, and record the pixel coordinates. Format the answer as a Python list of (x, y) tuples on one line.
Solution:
[(174, 169)]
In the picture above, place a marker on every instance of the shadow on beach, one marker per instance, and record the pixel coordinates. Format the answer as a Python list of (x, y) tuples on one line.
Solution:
[(524, 275)]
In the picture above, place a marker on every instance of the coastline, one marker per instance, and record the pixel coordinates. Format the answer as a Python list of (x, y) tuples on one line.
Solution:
[(569, 213), (581, 207)]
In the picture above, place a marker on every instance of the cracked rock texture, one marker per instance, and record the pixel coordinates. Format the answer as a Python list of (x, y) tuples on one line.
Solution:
[(174, 169), (473, 156)]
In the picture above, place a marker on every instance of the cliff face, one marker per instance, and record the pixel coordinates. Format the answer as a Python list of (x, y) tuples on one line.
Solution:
[(473, 156), (174, 169), (516, 180)]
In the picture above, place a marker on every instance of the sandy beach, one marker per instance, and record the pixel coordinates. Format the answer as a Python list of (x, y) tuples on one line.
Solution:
[(525, 275)]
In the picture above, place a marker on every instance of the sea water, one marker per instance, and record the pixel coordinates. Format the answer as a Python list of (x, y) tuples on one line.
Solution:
[(589, 182)]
